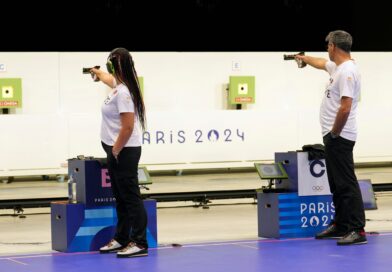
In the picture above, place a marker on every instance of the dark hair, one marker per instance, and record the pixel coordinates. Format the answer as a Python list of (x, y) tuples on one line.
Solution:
[(125, 71), (341, 39)]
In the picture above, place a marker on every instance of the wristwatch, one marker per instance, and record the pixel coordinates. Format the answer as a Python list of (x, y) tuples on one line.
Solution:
[(334, 136)]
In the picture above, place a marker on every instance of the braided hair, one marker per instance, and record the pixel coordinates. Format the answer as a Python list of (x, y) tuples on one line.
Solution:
[(125, 72)]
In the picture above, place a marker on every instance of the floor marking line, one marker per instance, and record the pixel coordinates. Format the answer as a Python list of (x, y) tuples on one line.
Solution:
[(15, 261), (23, 257), (252, 247)]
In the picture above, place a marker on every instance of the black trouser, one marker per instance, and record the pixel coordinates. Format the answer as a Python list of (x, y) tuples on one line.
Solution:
[(346, 194), (131, 214)]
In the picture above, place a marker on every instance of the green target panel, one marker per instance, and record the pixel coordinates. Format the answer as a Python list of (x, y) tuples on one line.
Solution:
[(10, 92), (242, 90)]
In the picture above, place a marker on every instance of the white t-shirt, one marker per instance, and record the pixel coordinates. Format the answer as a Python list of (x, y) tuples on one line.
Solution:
[(345, 80), (119, 100)]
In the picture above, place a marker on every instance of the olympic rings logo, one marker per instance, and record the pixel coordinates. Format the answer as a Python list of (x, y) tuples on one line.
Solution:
[(317, 188)]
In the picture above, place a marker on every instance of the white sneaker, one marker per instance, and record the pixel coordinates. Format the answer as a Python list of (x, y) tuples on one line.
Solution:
[(112, 246), (132, 250)]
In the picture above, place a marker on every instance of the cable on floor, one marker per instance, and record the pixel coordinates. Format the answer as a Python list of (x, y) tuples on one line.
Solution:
[(24, 214)]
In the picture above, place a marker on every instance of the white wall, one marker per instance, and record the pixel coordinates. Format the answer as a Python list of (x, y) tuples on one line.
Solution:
[(185, 92)]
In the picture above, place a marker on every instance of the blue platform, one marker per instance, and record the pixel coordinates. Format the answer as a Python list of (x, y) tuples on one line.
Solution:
[(75, 228)]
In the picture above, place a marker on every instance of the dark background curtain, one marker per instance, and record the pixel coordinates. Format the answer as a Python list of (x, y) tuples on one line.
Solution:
[(192, 25)]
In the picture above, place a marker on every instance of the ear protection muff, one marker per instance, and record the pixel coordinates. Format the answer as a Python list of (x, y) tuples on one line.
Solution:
[(109, 66)]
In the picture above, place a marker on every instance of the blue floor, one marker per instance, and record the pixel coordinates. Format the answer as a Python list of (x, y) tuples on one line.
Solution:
[(269, 255)]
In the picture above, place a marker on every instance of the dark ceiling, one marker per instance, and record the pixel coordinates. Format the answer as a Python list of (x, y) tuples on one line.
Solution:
[(191, 25)]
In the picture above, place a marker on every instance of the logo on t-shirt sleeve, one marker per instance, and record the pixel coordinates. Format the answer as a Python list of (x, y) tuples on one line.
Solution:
[(328, 93)]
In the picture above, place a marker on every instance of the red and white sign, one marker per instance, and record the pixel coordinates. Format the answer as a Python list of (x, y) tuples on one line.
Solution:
[(8, 103)]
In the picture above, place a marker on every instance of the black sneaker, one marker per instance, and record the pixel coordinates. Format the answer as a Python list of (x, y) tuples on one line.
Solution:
[(132, 250), (331, 232), (354, 237)]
